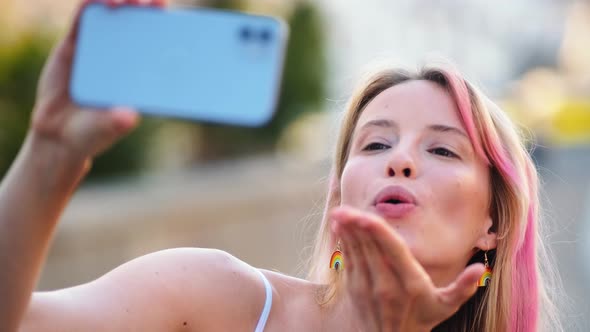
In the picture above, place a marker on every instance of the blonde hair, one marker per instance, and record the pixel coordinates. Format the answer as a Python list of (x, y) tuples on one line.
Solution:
[(513, 299)]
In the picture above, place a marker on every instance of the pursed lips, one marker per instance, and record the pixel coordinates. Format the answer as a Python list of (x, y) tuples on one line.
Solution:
[(395, 202)]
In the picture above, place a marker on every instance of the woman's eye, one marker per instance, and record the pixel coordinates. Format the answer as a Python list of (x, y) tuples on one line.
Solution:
[(375, 146), (444, 152)]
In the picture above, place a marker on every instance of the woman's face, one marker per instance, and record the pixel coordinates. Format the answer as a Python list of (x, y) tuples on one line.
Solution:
[(412, 163)]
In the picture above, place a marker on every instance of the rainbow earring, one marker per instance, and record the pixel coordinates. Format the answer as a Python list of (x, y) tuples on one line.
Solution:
[(486, 277), (336, 262)]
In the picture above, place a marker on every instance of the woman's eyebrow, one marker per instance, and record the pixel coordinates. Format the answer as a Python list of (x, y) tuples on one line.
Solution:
[(382, 123), (447, 129), (390, 124)]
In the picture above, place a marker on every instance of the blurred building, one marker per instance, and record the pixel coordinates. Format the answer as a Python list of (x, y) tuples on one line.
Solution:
[(493, 42), (555, 100)]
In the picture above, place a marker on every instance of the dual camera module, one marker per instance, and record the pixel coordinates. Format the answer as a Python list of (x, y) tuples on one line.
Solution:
[(248, 34)]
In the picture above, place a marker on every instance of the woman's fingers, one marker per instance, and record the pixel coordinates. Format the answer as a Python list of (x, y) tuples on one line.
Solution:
[(384, 284), (398, 255), (124, 119), (354, 263), (358, 276), (462, 288), (154, 3), (376, 288), (160, 3), (94, 131), (72, 32)]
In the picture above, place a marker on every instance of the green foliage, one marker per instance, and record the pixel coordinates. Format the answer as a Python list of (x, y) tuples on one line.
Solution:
[(20, 67), (305, 68), (303, 90)]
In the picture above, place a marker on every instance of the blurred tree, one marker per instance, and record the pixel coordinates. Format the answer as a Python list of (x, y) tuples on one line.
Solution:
[(20, 66), (303, 89)]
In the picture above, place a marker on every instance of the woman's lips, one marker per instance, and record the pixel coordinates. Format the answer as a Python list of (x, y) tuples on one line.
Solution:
[(394, 202), (394, 211)]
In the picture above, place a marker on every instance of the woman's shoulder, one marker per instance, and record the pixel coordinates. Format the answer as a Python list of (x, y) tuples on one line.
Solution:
[(209, 273), (190, 266), (196, 263), (216, 288), (208, 288), (203, 264)]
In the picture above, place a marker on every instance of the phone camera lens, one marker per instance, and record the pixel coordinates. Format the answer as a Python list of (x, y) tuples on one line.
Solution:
[(265, 35), (245, 33)]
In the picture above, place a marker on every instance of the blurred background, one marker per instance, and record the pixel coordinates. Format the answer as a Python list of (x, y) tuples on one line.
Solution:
[(259, 193)]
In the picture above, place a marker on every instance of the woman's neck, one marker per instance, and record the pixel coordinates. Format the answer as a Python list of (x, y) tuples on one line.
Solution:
[(339, 315)]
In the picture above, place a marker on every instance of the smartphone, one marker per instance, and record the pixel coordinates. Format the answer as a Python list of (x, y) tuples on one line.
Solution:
[(191, 63)]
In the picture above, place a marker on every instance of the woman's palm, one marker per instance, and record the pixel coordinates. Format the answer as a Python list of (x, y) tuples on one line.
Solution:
[(56, 118)]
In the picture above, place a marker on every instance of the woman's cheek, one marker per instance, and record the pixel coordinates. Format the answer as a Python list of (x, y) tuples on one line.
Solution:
[(351, 182), (451, 194)]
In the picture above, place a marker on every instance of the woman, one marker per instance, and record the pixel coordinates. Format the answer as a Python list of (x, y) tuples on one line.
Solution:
[(431, 188)]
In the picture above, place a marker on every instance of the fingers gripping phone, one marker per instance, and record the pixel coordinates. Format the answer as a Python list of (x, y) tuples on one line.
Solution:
[(198, 64)]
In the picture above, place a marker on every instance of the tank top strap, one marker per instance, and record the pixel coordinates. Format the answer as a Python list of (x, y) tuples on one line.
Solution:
[(267, 303)]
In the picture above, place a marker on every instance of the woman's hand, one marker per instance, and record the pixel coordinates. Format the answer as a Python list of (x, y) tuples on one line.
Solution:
[(56, 120), (60, 145), (387, 285)]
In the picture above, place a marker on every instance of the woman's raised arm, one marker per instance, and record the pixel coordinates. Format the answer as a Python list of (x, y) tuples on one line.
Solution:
[(56, 154)]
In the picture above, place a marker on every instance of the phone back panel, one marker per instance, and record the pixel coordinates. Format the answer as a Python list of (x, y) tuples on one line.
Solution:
[(201, 64)]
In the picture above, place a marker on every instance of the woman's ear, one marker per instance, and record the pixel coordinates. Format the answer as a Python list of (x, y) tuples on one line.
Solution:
[(488, 238)]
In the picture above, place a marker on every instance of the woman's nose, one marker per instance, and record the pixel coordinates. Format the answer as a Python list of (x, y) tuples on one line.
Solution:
[(401, 164)]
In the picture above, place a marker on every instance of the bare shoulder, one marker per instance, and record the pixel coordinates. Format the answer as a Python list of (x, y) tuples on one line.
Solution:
[(229, 291), (176, 289), (206, 287), (218, 289), (188, 268), (236, 295)]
